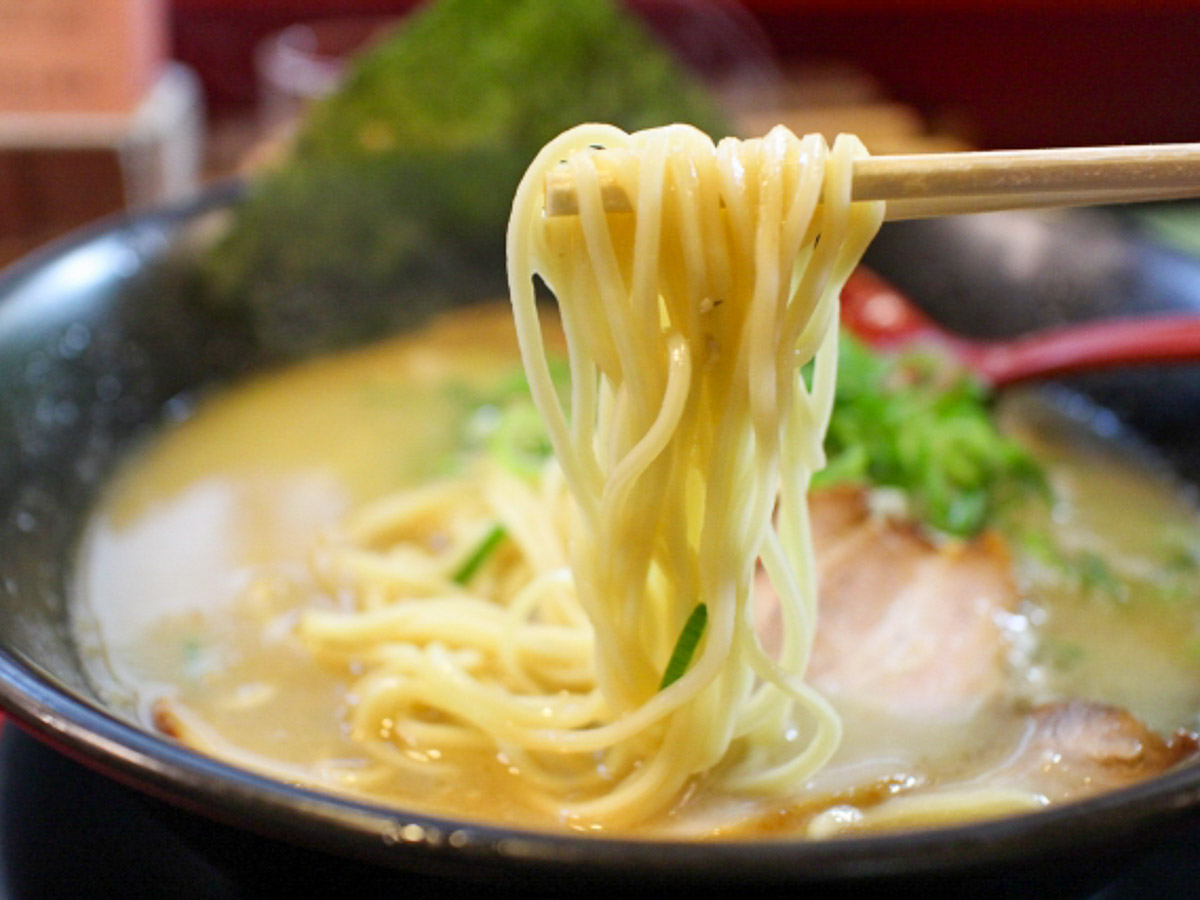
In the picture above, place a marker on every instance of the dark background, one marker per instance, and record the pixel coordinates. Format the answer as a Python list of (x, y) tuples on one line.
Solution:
[(1001, 73)]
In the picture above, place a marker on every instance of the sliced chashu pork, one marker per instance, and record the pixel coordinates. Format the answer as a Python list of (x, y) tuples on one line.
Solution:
[(912, 628), (1076, 748), (904, 625)]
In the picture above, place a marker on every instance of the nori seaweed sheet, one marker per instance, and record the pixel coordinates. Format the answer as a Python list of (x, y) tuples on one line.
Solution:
[(394, 196)]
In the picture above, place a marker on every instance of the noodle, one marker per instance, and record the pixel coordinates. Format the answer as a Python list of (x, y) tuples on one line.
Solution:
[(682, 465)]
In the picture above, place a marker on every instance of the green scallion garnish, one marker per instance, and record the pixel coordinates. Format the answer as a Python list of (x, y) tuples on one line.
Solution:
[(479, 555), (685, 647)]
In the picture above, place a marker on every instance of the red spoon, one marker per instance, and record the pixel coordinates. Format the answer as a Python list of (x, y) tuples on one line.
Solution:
[(884, 318)]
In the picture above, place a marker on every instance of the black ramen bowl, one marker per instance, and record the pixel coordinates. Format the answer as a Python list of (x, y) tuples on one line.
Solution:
[(102, 339)]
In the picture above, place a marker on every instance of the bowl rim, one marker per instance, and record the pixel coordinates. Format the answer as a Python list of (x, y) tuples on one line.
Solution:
[(397, 837)]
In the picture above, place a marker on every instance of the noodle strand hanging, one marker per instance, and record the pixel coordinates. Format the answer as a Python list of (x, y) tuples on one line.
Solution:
[(682, 459)]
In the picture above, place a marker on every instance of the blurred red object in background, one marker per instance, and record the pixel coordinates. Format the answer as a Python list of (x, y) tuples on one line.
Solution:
[(218, 38), (1002, 73)]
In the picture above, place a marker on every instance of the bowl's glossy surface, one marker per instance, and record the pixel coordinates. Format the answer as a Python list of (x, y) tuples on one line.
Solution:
[(101, 337)]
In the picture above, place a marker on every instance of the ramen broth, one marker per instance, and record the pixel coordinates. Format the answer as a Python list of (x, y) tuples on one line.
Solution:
[(194, 570)]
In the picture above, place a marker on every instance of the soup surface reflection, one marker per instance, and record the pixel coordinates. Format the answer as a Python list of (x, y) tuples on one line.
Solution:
[(194, 571)]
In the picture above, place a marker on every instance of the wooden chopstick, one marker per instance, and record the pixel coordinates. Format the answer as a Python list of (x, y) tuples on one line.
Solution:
[(935, 184), (932, 207)]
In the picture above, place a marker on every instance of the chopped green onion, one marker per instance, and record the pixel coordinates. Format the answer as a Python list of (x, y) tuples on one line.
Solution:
[(503, 423), (1062, 655), (197, 660), (918, 423), (479, 555), (1097, 576), (685, 647)]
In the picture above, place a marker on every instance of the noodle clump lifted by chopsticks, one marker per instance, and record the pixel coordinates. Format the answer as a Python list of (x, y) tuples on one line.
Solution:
[(606, 649)]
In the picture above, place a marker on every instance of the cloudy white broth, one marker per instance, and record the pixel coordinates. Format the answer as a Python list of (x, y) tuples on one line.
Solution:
[(1080, 630)]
